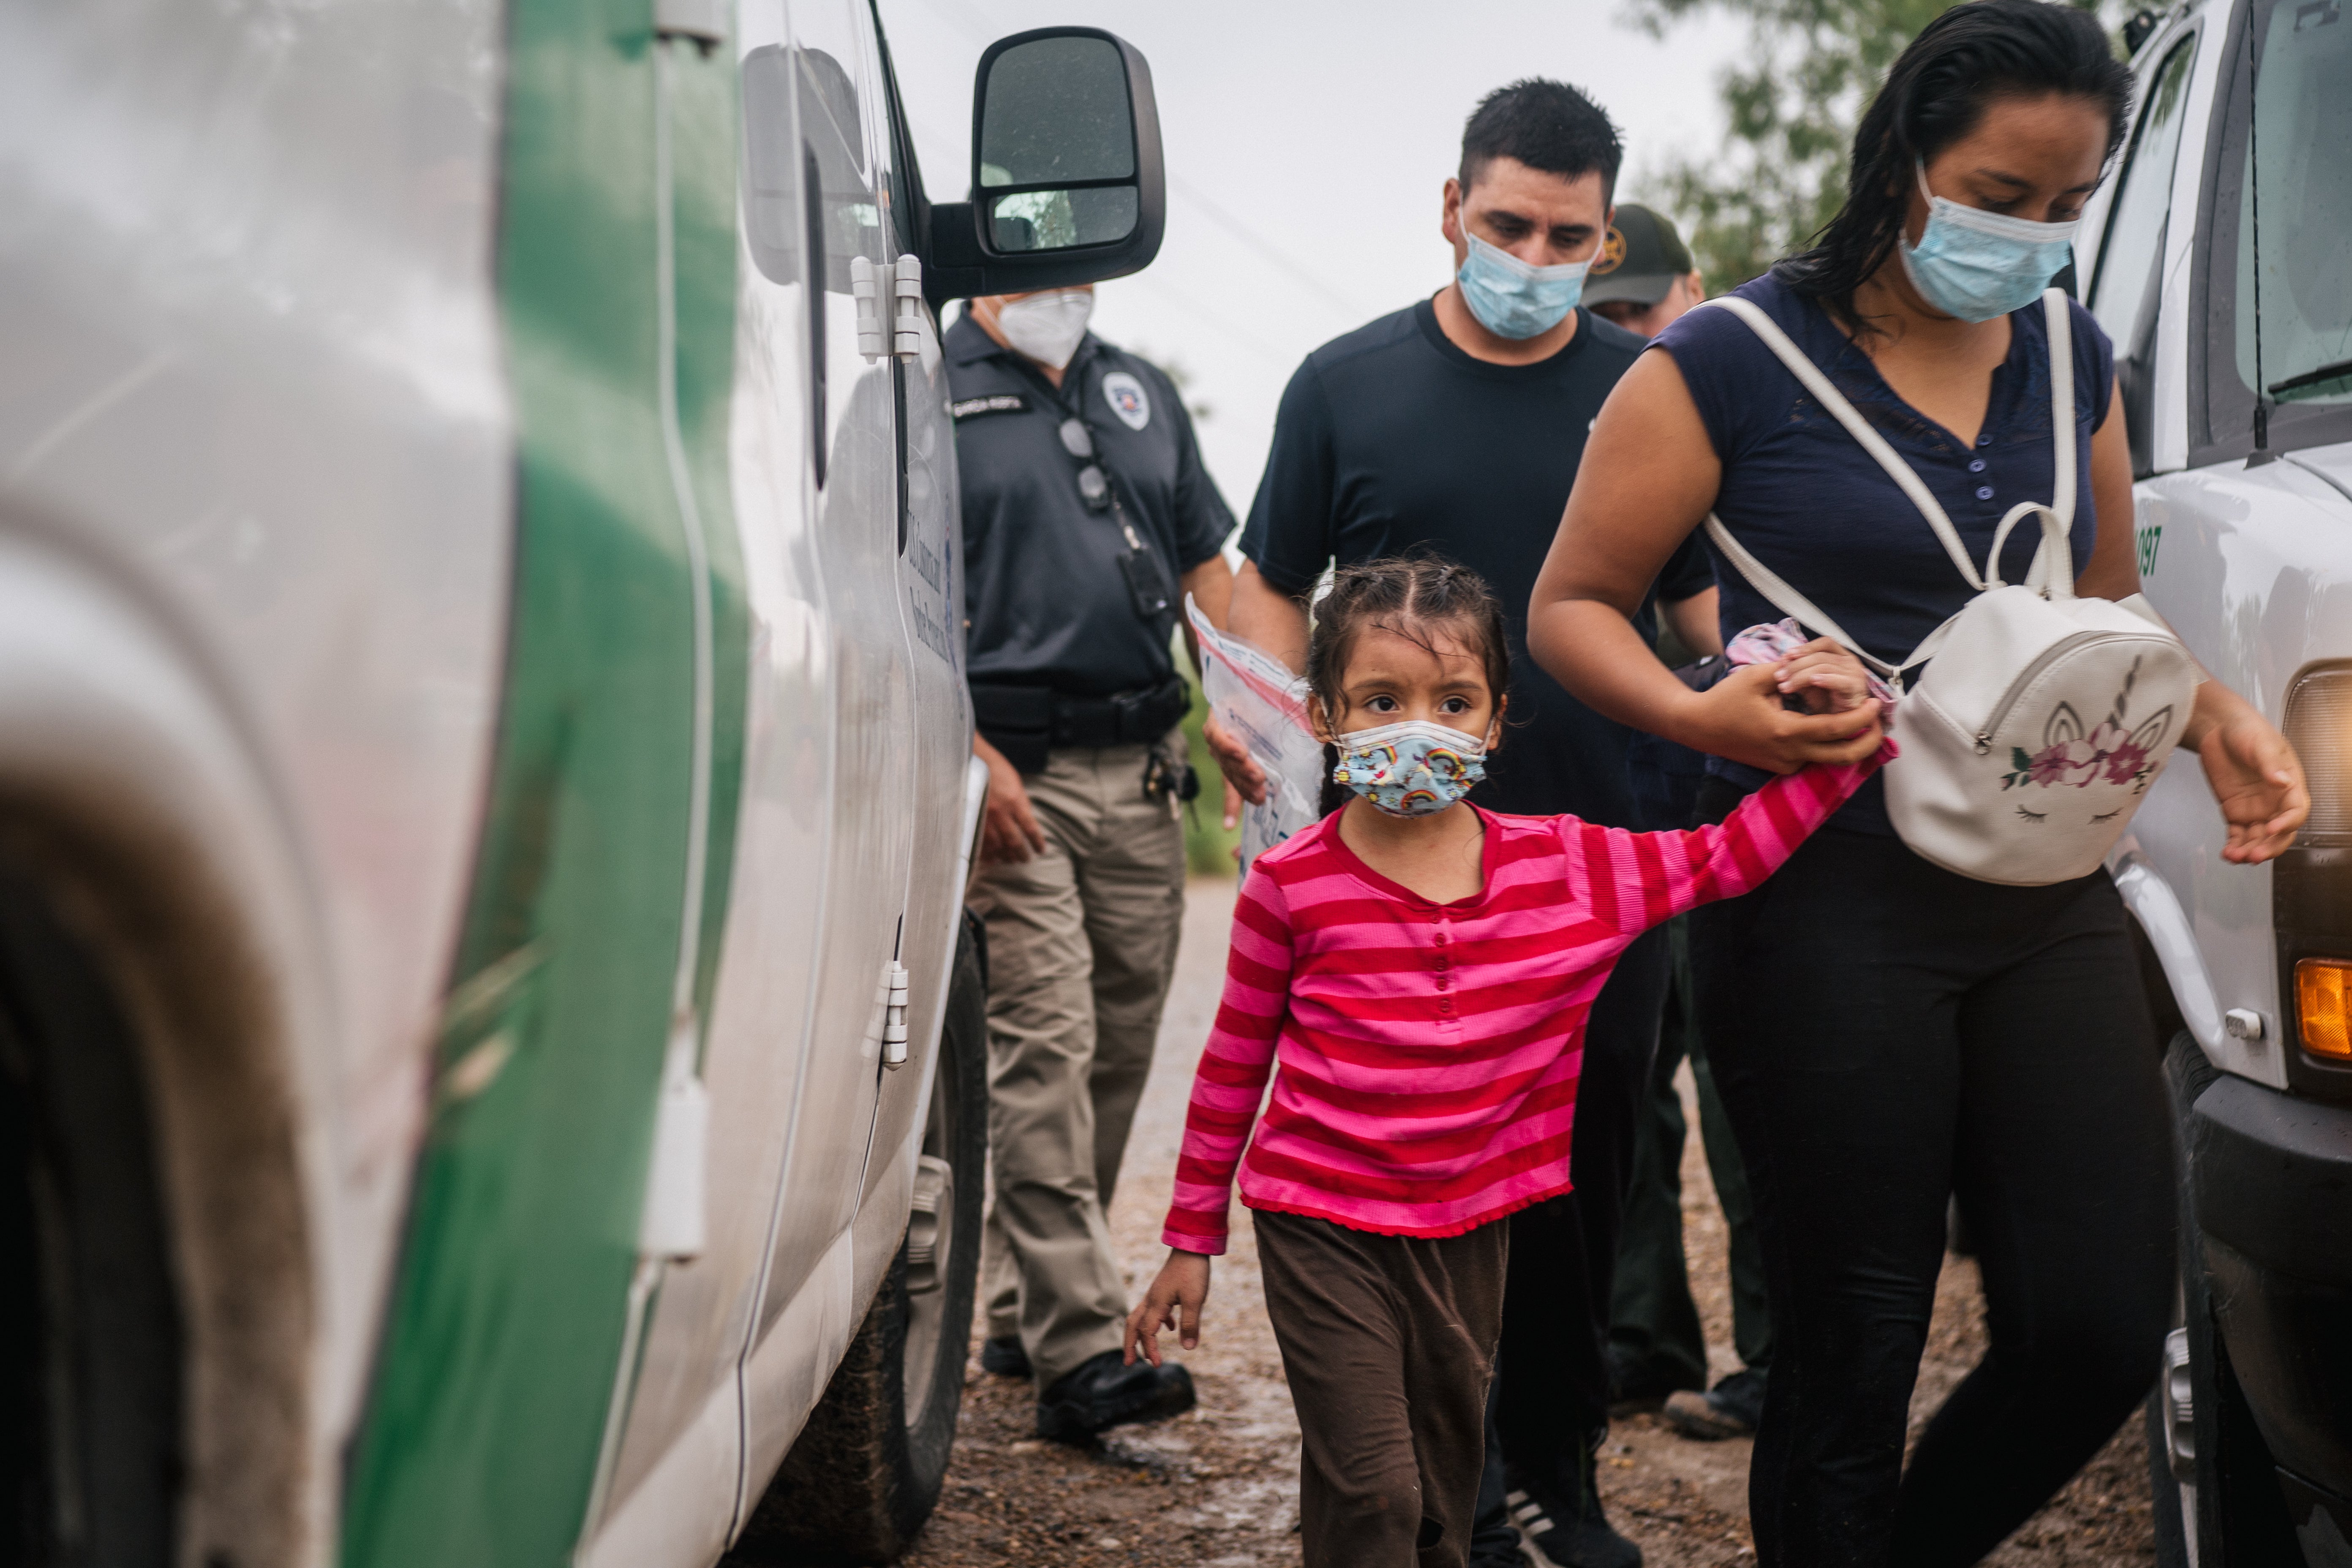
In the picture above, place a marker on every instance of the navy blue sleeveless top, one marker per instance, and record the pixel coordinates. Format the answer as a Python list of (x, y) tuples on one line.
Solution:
[(1808, 502)]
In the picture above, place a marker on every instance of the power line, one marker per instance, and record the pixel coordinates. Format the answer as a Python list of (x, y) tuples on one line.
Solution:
[(1240, 334), (975, 24), (1265, 247)]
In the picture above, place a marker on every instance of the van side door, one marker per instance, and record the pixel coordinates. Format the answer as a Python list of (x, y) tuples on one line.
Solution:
[(864, 795)]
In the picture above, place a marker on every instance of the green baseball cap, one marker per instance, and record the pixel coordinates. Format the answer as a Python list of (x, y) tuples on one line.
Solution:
[(1639, 260)]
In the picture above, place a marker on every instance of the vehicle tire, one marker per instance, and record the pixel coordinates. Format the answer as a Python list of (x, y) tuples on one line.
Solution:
[(90, 1326), (866, 1471), (2213, 1489)]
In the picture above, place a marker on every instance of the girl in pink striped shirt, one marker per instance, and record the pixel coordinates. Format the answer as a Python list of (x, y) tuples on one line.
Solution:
[(1415, 972)]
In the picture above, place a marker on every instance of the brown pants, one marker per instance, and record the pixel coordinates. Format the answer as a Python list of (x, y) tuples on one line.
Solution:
[(1388, 1345)]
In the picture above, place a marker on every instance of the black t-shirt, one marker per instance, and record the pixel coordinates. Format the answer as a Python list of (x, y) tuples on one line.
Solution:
[(1046, 599), (1392, 437)]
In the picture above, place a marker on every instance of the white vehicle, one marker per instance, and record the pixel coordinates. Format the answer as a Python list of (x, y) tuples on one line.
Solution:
[(2220, 262), (490, 1060)]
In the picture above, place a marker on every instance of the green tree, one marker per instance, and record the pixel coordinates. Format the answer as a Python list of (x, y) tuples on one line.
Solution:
[(1792, 101)]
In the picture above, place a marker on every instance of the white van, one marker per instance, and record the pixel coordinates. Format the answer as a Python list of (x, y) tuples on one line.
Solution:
[(490, 1055), (2219, 260)]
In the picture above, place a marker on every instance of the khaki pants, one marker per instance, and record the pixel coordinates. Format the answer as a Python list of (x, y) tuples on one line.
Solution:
[(1081, 945)]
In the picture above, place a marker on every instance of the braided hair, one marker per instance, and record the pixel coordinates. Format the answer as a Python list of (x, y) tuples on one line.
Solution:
[(1414, 596)]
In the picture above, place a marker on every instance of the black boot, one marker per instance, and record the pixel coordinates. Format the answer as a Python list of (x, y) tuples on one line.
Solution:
[(1101, 1392)]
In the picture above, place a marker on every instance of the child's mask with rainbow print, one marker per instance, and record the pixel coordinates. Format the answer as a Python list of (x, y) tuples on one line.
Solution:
[(1409, 769)]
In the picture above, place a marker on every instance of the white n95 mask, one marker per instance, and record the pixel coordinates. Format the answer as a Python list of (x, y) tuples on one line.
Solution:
[(1047, 327)]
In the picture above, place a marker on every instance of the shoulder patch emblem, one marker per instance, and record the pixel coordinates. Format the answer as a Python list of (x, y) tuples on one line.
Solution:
[(1125, 396), (1612, 253), (996, 403)]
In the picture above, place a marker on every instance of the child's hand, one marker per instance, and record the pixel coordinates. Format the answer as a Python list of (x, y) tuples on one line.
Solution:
[(1183, 1283), (1824, 677)]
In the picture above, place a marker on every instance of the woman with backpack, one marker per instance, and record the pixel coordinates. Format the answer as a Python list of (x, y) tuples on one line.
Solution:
[(1937, 994)]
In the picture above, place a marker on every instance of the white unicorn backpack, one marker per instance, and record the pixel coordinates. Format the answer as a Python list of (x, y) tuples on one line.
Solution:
[(2030, 740)]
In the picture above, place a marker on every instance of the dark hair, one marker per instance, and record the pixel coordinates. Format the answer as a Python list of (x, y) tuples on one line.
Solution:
[(1545, 125), (1935, 94), (1411, 595)]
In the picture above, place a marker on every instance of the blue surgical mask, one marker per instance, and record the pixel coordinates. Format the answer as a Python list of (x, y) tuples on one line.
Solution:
[(1409, 769), (1512, 298), (1977, 265)]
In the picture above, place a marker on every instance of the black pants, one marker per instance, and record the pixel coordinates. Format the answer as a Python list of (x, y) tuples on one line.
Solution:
[(1885, 1033), (1653, 1329), (1553, 1402)]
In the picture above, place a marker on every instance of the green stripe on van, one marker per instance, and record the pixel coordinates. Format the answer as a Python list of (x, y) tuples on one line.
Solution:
[(479, 1445), (704, 120)]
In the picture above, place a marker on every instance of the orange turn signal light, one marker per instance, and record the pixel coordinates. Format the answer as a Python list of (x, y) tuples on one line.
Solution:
[(2323, 1003)]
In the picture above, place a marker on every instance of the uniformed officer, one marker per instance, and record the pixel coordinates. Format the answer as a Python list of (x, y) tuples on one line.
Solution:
[(1087, 517)]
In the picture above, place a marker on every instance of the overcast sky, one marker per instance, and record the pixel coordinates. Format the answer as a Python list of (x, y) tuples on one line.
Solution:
[(1306, 144)]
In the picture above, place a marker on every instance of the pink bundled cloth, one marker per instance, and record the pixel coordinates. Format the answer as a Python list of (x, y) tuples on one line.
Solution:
[(1776, 641)]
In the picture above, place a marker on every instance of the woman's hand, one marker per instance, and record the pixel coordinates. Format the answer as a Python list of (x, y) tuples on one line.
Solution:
[(1174, 1301), (1824, 677), (2257, 779), (1743, 718)]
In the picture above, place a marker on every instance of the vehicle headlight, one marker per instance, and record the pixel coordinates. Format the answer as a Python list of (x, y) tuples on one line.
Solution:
[(2320, 723), (2312, 887)]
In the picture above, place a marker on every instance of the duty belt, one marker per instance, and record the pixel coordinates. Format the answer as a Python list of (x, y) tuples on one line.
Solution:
[(1025, 721)]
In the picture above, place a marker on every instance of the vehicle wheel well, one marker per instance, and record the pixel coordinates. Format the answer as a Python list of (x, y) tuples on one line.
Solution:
[(164, 957)]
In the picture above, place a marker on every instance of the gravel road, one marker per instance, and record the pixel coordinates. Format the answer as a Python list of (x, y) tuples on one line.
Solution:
[(1217, 1488)]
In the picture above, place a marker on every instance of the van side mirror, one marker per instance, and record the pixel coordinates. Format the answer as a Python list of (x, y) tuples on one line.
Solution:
[(1068, 184)]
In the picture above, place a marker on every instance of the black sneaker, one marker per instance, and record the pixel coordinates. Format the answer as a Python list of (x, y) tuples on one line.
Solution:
[(1558, 1535), (1004, 1357), (1101, 1393), (1732, 1408), (1494, 1540)]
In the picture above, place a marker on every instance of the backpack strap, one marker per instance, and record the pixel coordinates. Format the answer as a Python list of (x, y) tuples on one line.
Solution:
[(1791, 603), (2052, 571), (1809, 376), (2053, 566)]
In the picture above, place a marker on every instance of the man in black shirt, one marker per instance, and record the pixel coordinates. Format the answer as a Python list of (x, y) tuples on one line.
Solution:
[(1087, 517), (1657, 1352), (1456, 426)]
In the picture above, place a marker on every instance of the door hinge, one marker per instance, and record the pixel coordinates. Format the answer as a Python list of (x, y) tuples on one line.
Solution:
[(894, 1017), (895, 327), (907, 322)]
